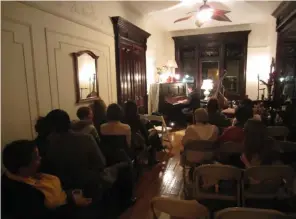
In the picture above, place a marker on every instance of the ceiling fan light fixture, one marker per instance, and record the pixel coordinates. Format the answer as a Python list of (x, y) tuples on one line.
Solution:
[(204, 14)]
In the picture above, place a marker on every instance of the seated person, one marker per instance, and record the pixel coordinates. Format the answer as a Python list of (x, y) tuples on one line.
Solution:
[(193, 101), (115, 136), (235, 133), (202, 130), (78, 161), (141, 136), (258, 147), (41, 140), (248, 103), (27, 193), (215, 116), (99, 109), (85, 125)]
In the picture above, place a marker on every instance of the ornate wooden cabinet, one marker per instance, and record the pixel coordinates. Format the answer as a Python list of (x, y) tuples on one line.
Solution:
[(286, 47), (211, 55), (130, 49)]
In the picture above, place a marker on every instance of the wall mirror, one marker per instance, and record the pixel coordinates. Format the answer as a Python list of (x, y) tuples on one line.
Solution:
[(210, 70), (86, 80)]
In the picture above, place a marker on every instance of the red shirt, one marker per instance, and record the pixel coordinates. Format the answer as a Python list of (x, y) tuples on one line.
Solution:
[(233, 134)]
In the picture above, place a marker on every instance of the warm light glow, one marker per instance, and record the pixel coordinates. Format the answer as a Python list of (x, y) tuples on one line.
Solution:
[(204, 15), (177, 76), (207, 84), (171, 64)]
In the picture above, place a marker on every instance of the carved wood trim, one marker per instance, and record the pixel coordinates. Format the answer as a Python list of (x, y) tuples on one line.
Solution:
[(130, 49)]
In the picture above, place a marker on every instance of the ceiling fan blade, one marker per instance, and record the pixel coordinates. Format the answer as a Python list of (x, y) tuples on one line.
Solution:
[(183, 19), (221, 17), (218, 11)]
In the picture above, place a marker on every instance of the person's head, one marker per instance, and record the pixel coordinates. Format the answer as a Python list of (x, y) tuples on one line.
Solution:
[(213, 105), (247, 103), (256, 137), (243, 114), (99, 108), (114, 113), (201, 115), (42, 126), (85, 113), (130, 110), (59, 121), (21, 158)]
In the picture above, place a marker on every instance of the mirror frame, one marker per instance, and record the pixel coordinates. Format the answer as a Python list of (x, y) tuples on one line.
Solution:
[(75, 56)]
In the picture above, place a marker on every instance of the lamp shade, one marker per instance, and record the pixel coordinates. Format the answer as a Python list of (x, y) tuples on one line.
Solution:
[(171, 64), (207, 84)]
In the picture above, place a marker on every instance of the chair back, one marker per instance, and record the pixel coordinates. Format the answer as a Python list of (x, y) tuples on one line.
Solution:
[(197, 152), (178, 208), (214, 176), (265, 182), (247, 213), (229, 148), (163, 129), (278, 131), (286, 146)]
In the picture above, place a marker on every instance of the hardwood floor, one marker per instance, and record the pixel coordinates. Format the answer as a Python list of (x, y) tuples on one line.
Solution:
[(163, 180)]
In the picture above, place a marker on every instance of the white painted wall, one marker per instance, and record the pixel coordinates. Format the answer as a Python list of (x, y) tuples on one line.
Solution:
[(261, 49), (37, 69)]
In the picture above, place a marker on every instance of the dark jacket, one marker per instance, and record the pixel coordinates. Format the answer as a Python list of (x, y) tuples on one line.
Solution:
[(77, 160)]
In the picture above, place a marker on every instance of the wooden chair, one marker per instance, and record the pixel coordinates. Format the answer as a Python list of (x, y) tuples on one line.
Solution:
[(278, 131), (177, 208), (214, 173), (163, 130), (265, 182), (195, 152), (248, 213)]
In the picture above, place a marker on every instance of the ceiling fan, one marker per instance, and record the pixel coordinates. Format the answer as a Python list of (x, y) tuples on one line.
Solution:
[(205, 14)]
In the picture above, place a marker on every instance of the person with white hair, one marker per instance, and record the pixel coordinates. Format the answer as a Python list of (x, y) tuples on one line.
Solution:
[(202, 129)]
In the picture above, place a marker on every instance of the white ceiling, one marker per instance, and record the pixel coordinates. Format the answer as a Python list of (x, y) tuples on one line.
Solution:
[(242, 12)]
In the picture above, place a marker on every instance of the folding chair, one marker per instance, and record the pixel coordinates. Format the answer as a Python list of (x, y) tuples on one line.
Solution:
[(265, 182), (195, 152), (278, 131), (162, 130), (177, 208), (213, 174), (247, 213)]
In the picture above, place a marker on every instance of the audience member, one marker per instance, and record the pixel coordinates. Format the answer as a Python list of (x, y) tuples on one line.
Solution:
[(85, 125), (99, 113), (235, 133), (140, 134), (115, 136), (258, 147), (77, 160), (202, 130), (43, 131), (215, 116), (27, 193)]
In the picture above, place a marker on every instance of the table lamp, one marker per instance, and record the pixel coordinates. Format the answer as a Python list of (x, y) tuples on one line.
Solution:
[(207, 85)]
